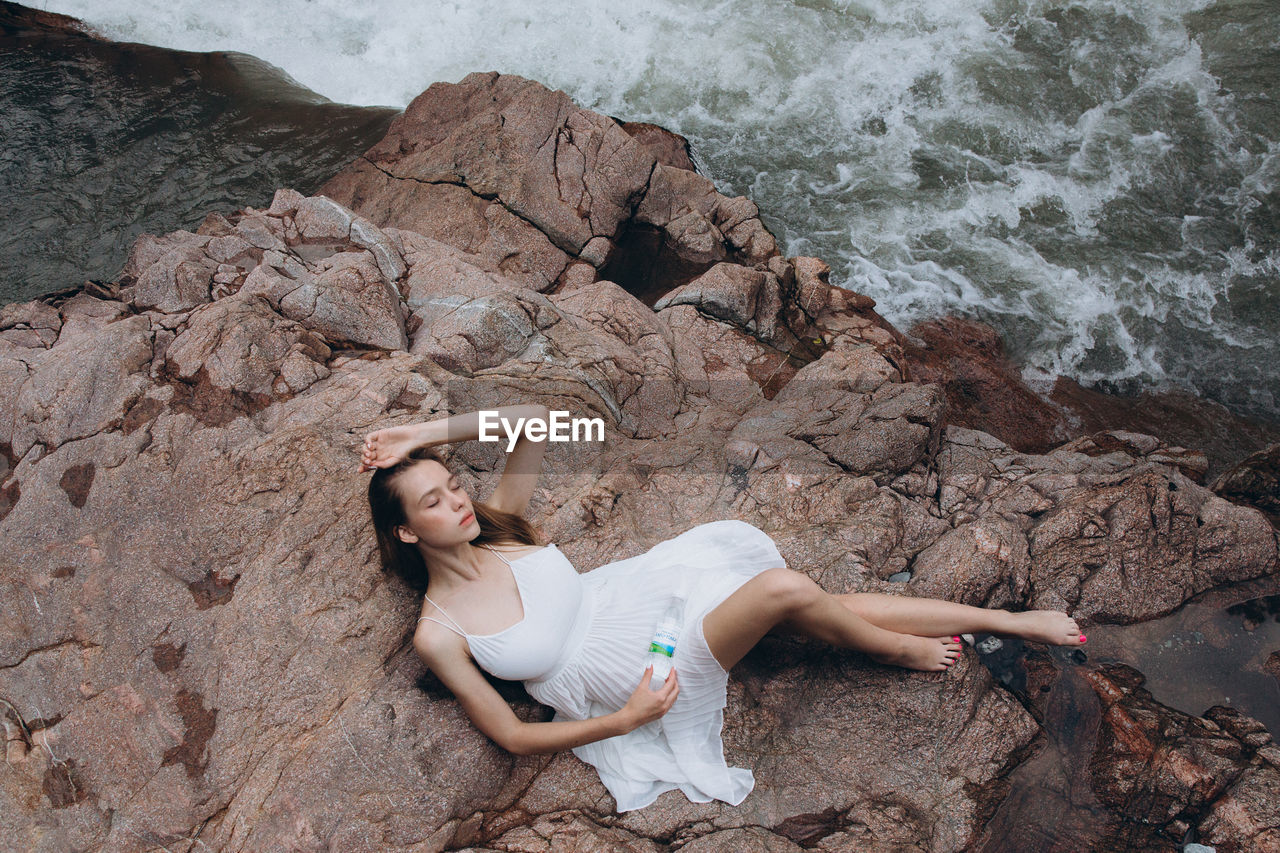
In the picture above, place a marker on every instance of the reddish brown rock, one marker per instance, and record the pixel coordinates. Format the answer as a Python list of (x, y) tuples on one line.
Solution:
[(1255, 480), (1272, 666), (985, 391), (199, 649), (1123, 772), (502, 168), (1112, 537), (668, 148)]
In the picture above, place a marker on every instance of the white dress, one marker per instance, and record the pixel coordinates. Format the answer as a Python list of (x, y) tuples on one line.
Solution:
[(582, 646)]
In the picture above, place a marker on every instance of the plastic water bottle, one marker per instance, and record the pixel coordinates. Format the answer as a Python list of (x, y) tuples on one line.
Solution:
[(662, 648)]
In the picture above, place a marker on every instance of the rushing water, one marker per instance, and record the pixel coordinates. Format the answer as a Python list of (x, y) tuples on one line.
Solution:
[(1097, 179)]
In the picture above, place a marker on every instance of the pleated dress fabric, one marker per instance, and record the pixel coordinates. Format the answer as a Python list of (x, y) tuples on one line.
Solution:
[(582, 645)]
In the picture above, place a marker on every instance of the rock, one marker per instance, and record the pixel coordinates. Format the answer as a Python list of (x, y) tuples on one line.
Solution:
[(1255, 481), (700, 224), (502, 168), (200, 647), (1272, 666), (177, 281), (239, 348), (1154, 765), (985, 563), (84, 383), (1125, 772), (668, 148), (1091, 521), (1190, 463), (349, 300), (1139, 547), (986, 391)]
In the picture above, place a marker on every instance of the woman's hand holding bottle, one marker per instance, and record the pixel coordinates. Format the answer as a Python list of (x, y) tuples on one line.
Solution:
[(646, 705)]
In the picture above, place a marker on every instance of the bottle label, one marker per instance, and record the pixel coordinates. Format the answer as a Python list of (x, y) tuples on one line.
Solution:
[(662, 647)]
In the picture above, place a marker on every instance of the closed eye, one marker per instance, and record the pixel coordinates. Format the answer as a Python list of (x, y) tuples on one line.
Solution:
[(453, 487)]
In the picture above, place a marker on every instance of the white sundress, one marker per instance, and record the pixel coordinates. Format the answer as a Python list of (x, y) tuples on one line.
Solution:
[(581, 649)]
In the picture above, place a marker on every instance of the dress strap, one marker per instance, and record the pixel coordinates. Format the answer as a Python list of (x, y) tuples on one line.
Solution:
[(455, 627), (504, 559)]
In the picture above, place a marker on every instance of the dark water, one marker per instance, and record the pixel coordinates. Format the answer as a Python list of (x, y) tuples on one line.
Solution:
[(1212, 651), (105, 141)]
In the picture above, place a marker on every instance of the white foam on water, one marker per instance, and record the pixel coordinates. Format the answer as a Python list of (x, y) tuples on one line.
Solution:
[(831, 115)]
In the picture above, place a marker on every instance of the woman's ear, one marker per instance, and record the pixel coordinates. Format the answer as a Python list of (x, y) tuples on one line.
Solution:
[(405, 534)]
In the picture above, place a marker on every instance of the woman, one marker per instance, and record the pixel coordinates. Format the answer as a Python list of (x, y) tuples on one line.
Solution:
[(579, 641)]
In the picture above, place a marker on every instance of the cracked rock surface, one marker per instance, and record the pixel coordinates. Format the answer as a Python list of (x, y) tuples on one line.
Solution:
[(200, 652)]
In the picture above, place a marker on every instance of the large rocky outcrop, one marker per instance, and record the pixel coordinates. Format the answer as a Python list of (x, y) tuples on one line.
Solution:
[(200, 651)]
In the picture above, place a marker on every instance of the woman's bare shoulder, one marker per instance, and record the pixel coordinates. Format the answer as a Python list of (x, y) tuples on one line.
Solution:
[(433, 641)]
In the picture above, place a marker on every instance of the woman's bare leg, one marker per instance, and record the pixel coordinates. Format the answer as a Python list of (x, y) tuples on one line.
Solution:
[(929, 617), (785, 597)]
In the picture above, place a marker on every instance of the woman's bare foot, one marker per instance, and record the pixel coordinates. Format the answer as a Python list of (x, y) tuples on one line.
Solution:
[(1047, 626), (385, 447), (930, 654)]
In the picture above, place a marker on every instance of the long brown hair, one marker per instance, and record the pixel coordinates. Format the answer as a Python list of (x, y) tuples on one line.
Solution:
[(386, 505)]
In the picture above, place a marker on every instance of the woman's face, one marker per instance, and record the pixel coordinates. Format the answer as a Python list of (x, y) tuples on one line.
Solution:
[(437, 510)]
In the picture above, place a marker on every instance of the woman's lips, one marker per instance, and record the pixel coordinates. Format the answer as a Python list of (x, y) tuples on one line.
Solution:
[(470, 516)]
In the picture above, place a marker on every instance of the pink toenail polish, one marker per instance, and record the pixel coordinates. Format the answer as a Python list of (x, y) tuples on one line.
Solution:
[(955, 639), (1082, 639)]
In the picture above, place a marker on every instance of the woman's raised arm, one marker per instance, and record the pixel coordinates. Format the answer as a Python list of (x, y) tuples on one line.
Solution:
[(492, 715), (386, 447)]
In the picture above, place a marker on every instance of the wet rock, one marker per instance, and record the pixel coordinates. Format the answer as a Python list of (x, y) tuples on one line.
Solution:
[(1123, 772), (1255, 480), (986, 391), (1159, 768), (1272, 666), (1153, 765), (1247, 818)]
